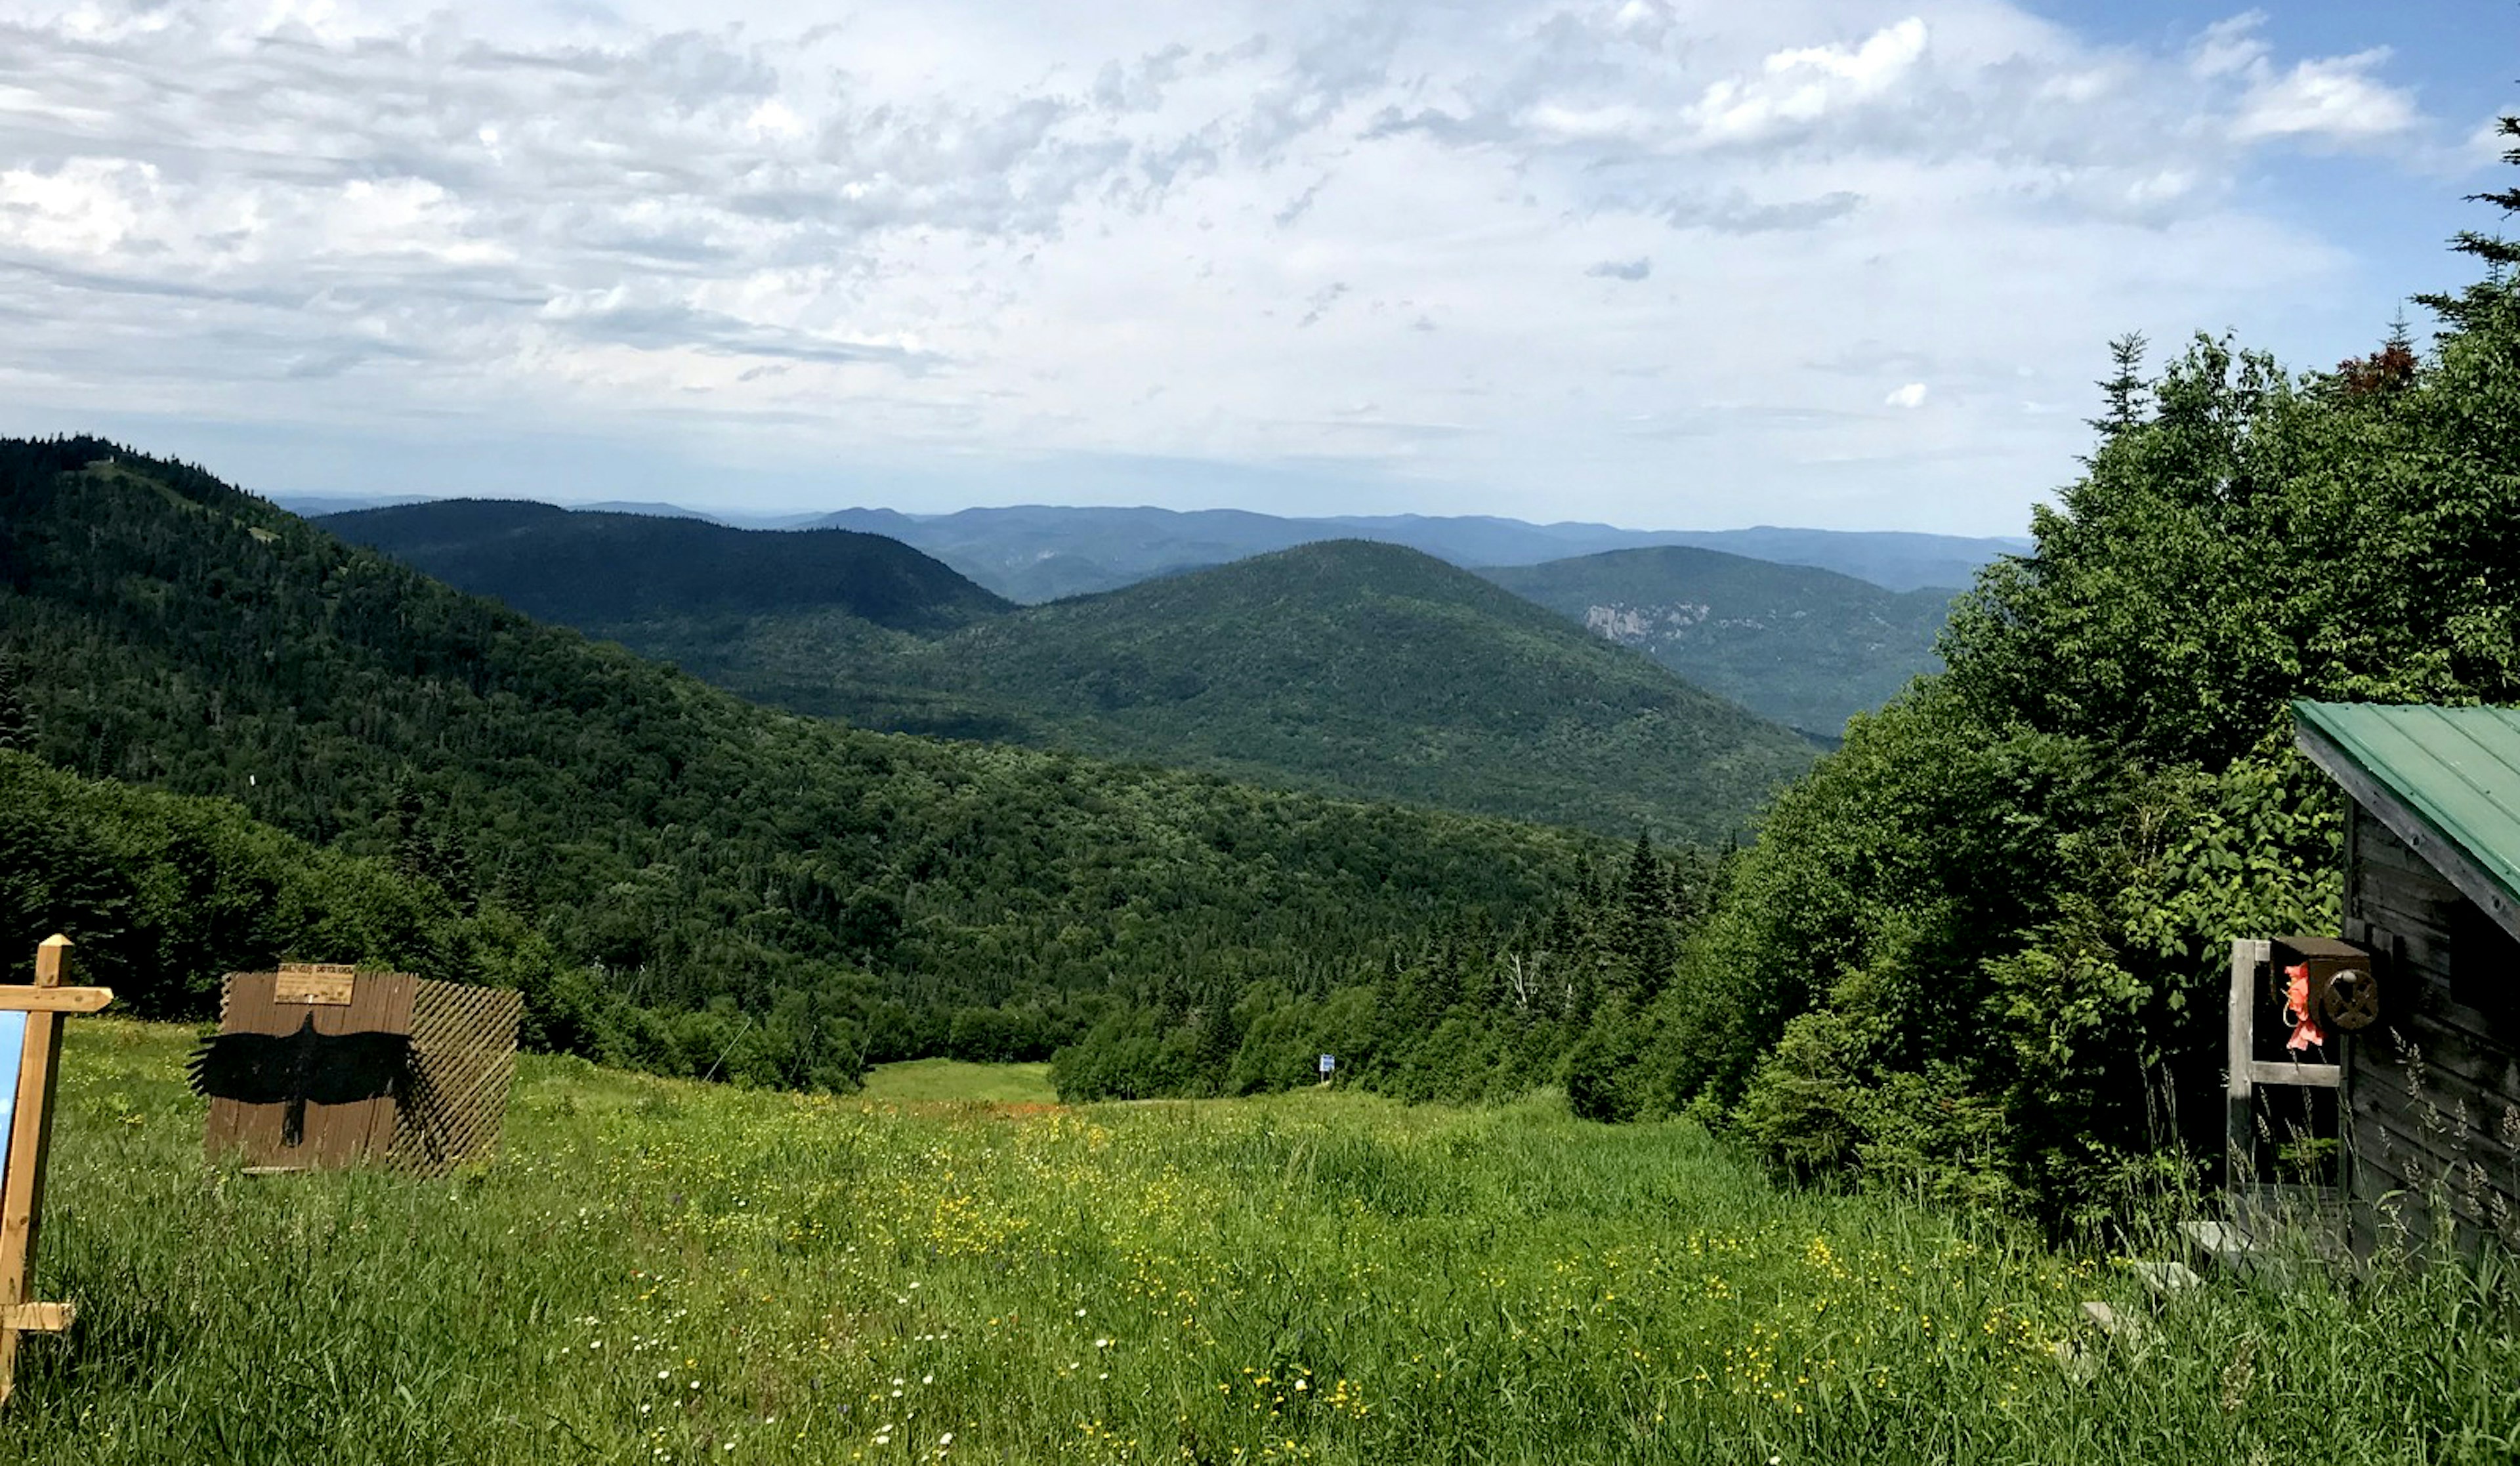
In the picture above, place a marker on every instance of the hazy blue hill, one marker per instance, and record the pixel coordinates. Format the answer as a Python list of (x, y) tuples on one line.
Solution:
[(316, 506), (1893, 560), (1377, 670), (1807, 647), (1038, 553), (591, 570), (1035, 553)]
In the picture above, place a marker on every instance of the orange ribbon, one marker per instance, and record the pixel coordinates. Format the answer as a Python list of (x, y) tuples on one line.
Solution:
[(2306, 1031)]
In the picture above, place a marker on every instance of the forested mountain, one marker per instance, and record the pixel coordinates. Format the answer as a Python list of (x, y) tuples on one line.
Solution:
[(828, 622), (592, 568), (1807, 647), (677, 878), (1037, 552), (320, 506), (1345, 667), (1376, 670)]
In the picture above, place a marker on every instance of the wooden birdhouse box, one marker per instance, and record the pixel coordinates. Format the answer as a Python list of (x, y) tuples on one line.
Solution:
[(2339, 979)]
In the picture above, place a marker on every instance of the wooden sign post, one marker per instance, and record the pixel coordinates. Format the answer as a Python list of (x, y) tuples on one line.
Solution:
[(33, 1016)]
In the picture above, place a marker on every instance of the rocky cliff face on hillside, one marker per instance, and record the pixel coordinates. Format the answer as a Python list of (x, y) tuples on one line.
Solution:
[(1804, 646)]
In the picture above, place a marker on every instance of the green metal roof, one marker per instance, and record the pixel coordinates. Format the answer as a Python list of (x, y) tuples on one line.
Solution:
[(2456, 768)]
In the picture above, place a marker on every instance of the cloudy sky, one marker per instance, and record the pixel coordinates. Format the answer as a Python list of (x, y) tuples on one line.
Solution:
[(1829, 262)]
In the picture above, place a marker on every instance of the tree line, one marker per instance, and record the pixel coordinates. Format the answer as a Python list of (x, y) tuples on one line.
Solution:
[(1474, 1010)]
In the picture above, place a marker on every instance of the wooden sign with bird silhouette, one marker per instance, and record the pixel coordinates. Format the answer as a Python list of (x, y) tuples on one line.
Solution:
[(309, 1067)]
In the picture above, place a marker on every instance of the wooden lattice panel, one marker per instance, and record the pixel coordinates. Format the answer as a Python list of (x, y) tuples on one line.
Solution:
[(464, 1054)]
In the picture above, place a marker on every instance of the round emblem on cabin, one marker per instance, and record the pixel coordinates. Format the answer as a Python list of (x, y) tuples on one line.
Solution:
[(2353, 999)]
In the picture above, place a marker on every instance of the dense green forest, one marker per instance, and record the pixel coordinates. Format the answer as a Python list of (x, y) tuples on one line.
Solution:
[(1472, 1012), (1807, 647), (1347, 668), (665, 868), (168, 894)]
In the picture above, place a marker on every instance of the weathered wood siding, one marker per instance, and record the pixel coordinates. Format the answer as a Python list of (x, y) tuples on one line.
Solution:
[(2432, 1091)]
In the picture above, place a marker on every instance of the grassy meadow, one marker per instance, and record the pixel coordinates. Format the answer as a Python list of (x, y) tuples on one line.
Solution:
[(950, 1080), (656, 1271)]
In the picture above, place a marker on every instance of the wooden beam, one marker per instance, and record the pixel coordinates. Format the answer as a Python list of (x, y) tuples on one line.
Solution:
[(2315, 1076), (14, 999), (2239, 1134), (39, 1317), (2408, 823)]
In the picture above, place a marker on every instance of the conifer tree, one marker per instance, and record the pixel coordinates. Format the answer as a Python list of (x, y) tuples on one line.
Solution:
[(2476, 304), (2125, 390)]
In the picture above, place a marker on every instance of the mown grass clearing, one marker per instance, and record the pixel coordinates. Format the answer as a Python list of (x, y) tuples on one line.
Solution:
[(954, 1082), (657, 1271)]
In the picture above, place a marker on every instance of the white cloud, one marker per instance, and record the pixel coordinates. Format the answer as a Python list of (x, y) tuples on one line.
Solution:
[(1804, 85), (1912, 395), (85, 208), (2233, 47), (2334, 98), (1545, 237)]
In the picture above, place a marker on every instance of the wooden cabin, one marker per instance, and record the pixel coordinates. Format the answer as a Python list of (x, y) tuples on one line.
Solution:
[(2427, 1086)]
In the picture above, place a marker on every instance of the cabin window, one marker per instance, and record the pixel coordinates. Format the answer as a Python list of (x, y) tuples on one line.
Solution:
[(2484, 963)]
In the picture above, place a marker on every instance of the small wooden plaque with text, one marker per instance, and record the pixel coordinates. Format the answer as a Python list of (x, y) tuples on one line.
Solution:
[(324, 983)]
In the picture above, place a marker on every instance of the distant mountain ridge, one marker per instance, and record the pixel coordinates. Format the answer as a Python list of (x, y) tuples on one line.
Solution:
[(1357, 669), (322, 505), (1037, 552)]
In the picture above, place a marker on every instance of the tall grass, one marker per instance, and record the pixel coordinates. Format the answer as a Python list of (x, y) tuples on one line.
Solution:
[(654, 1271)]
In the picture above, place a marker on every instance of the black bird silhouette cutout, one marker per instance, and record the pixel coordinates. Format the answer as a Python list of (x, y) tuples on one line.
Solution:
[(294, 1069)]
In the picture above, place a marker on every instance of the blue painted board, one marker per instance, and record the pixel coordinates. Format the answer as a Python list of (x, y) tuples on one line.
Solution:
[(13, 1054)]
